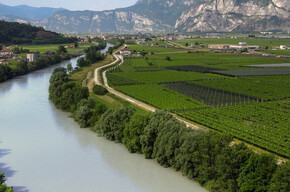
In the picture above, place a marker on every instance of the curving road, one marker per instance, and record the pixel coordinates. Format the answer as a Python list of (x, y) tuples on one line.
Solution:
[(119, 58)]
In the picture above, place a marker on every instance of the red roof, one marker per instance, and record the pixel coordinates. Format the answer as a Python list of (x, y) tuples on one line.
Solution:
[(6, 50)]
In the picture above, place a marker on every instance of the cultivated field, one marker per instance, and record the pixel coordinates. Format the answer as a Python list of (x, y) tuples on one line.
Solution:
[(262, 42), (253, 108)]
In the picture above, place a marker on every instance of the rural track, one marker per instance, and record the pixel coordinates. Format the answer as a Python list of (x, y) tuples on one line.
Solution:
[(119, 58)]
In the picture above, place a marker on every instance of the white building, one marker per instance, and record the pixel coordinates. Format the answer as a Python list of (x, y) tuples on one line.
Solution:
[(285, 47), (32, 56), (125, 52)]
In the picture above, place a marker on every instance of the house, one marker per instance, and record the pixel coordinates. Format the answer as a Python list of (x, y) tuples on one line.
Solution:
[(72, 45), (4, 62), (219, 46), (141, 41), (125, 51), (48, 53), (6, 53), (32, 56), (285, 47)]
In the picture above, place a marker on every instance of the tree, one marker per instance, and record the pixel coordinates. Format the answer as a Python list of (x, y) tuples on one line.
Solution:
[(257, 173), (281, 179), (84, 113), (69, 67), (186, 44), (76, 44), (61, 50), (100, 90), (1, 47), (81, 62), (228, 165), (167, 58), (5, 73), (133, 130), (150, 133), (113, 121), (3, 186), (266, 47)]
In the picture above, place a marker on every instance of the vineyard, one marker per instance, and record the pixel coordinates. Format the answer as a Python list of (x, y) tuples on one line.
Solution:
[(151, 49), (266, 88), (252, 108), (255, 72), (165, 76), (210, 96), (264, 124), (160, 97)]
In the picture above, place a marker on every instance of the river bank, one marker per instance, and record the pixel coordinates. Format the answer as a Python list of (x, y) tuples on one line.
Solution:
[(39, 144)]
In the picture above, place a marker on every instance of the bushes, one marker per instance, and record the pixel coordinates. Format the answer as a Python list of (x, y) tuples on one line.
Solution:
[(204, 156), (3, 186), (64, 94), (100, 90), (112, 123)]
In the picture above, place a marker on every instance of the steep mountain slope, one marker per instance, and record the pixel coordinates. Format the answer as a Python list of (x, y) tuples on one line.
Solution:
[(174, 15), (236, 15), (28, 12)]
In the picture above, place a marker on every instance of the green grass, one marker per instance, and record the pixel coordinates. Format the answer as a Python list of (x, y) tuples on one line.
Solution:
[(54, 47), (277, 52), (214, 60), (165, 76), (262, 42), (151, 49), (160, 43), (160, 97)]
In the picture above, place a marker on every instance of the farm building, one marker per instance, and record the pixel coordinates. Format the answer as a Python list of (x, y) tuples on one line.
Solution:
[(4, 62), (125, 52), (219, 46), (241, 45), (32, 56), (48, 53), (285, 47), (7, 53)]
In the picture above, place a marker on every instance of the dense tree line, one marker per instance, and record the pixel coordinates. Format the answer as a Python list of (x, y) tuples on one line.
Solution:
[(207, 157), (16, 33), (23, 67), (92, 55), (117, 43), (3, 186), (70, 96)]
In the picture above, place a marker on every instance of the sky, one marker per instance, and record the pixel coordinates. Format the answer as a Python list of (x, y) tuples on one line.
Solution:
[(96, 5)]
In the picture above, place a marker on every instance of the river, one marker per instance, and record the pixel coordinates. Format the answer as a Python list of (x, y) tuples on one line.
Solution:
[(42, 150)]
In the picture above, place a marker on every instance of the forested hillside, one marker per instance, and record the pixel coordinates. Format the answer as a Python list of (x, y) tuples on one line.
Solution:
[(16, 33)]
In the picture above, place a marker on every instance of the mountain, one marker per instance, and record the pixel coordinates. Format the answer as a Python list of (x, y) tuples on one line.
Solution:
[(24, 11), (175, 16)]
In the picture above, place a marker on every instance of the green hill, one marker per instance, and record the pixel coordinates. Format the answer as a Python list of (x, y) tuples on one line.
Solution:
[(16, 33)]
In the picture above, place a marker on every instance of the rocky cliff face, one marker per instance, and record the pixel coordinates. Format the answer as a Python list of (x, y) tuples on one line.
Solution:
[(175, 15), (236, 15)]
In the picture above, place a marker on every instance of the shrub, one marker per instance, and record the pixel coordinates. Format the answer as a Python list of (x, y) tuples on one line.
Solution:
[(100, 90)]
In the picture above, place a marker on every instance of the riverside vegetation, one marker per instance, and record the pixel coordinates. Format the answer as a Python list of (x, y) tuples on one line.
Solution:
[(208, 157), (3, 186), (24, 67)]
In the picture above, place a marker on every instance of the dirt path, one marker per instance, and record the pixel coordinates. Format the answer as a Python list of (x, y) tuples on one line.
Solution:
[(119, 58)]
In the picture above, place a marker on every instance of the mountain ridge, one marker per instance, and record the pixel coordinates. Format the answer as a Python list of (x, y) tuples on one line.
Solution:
[(174, 16), (28, 12)]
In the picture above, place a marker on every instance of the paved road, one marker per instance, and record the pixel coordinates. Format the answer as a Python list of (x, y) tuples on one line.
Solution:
[(119, 58)]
